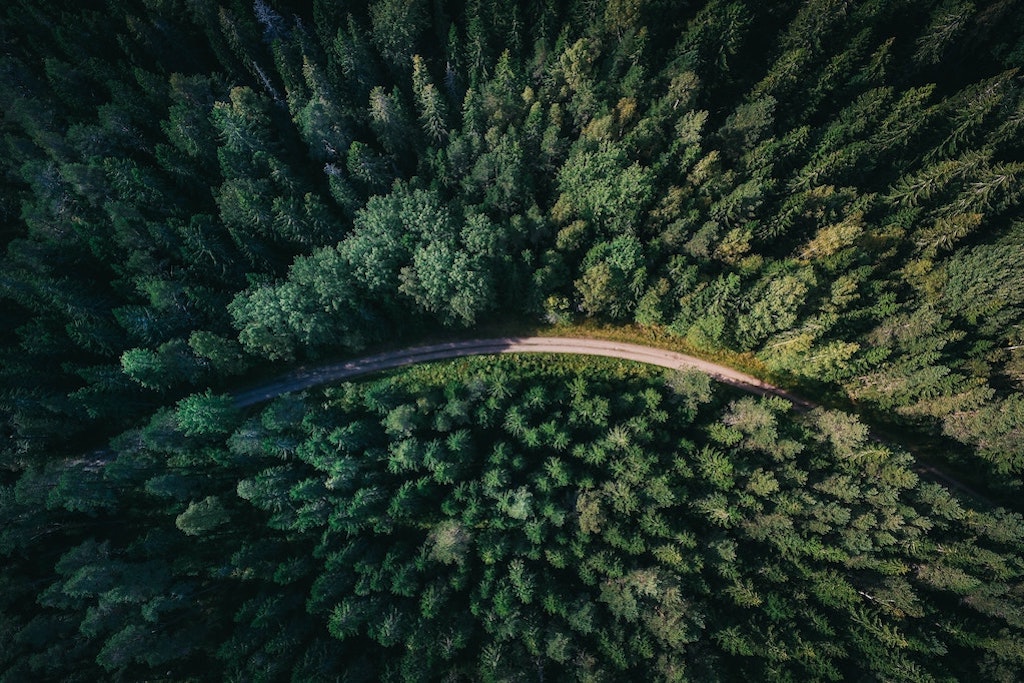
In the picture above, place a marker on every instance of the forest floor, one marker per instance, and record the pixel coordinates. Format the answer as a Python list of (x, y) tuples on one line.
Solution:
[(306, 377)]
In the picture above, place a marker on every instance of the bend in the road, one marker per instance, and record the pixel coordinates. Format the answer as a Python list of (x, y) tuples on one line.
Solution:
[(306, 378)]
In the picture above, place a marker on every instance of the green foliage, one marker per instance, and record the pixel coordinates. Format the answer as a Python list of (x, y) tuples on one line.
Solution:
[(202, 517), (192, 190), (604, 190), (244, 162), (160, 369), (206, 414), (679, 525), (613, 279)]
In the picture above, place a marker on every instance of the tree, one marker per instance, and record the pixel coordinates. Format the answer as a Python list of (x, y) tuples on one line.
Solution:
[(262, 323), (396, 26), (202, 517), (982, 284), (207, 414), (747, 126), (772, 306), (948, 21), (448, 282), (225, 356), (604, 190), (430, 102), (994, 429), (390, 120), (169, 365), (449, 542), (500, 173), (614, 278)]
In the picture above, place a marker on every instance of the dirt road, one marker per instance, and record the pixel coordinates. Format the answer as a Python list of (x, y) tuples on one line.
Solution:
[(305, 378)]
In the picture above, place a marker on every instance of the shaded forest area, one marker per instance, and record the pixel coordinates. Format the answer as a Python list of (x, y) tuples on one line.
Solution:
[(195, 190), (513, 519)]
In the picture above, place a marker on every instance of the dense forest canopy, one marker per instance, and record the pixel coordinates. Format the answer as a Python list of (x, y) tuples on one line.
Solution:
[(509, 519), (194, 191)]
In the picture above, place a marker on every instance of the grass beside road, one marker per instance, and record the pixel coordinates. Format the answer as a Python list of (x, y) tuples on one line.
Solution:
[(923, 442)]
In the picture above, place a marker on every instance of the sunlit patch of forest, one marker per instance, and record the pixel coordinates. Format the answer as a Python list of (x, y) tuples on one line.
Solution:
[(197, 192)]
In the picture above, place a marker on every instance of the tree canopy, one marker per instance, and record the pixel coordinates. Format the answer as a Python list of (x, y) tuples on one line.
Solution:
[(195, 194)]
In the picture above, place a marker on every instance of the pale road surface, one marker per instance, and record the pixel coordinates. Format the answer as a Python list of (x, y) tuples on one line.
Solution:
[(303, 378)]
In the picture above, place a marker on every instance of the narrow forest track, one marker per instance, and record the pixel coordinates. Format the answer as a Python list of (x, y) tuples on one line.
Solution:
[(304, 378)]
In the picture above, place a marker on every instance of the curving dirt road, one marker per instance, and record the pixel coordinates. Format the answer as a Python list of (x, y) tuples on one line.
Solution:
[(305, 378)]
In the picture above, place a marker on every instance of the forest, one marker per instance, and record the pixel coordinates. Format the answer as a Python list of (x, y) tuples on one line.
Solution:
[(198, 194)]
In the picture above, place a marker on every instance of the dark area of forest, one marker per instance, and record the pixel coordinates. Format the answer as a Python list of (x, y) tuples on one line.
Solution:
[(195, 191)]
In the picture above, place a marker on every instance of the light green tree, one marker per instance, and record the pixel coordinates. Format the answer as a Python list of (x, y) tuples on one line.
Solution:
[(202, 517)]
